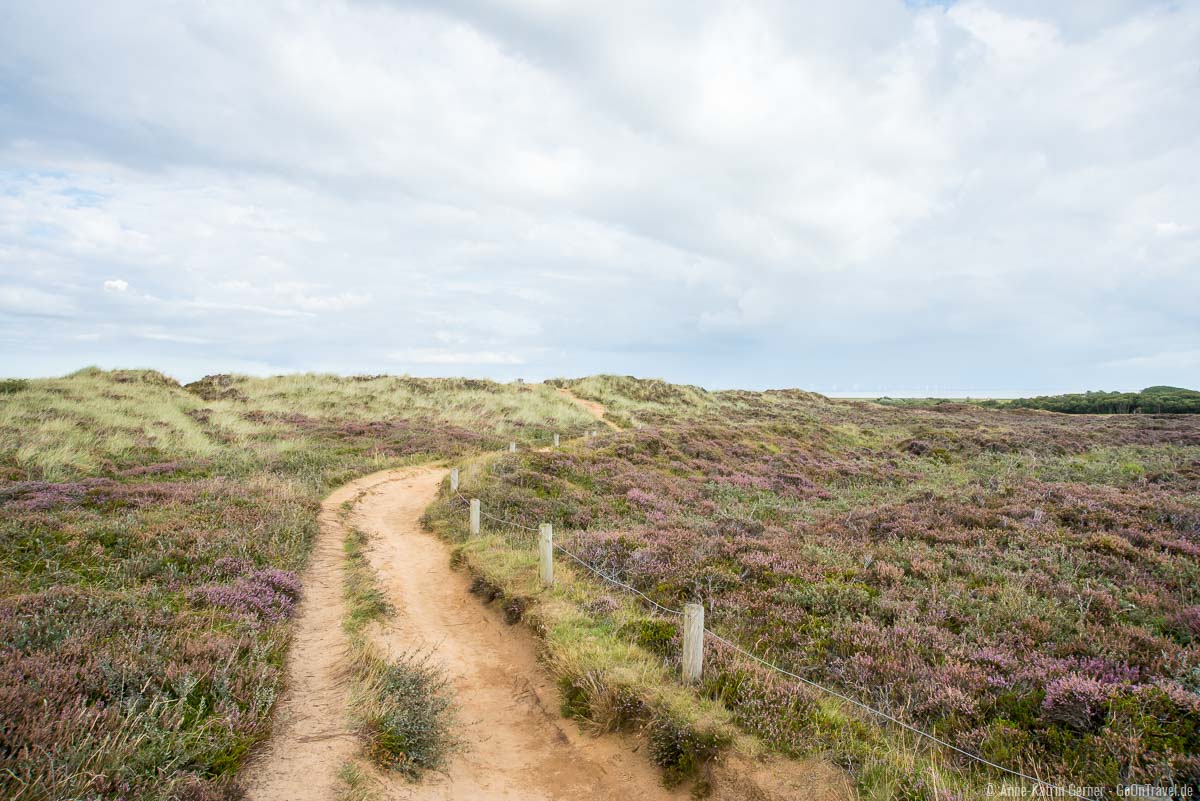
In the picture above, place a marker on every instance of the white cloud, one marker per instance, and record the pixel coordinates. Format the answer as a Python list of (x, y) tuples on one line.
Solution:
[(214, 306), (24, 301), (1182, 362), (163, 336), (443, 356), (749, 193)]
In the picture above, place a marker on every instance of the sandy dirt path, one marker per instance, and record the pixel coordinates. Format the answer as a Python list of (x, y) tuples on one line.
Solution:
[(594, 408), (518, 748), (311, 735)]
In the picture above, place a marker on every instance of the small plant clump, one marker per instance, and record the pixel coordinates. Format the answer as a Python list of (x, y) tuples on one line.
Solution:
[(408, 728), (680, 751)]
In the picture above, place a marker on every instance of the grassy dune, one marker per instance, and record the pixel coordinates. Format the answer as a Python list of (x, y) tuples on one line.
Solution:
[(1023, 584), (150, 546)]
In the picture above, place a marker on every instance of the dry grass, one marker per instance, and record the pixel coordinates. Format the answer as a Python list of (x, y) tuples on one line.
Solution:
[(149, 535)]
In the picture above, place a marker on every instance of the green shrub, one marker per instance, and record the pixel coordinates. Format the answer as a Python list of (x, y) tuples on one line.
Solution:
[(681, 751), (410, 727), (1005, 742), (575, 702), (656, 636)]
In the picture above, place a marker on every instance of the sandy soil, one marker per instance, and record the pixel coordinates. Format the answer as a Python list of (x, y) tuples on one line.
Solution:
[(311, 736), (594, 408), (517, 746)]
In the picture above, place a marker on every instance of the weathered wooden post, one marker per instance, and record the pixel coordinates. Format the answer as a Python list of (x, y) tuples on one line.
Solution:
[(512, 447), (474, 517), (546, 553), (454, 479), (556, 440), (693, 642)]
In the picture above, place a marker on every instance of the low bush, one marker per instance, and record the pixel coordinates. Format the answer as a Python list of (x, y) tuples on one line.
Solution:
[(408, 726), (681, 751)]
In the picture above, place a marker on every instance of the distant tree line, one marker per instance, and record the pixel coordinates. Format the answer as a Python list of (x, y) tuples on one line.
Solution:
[(1152, 400)]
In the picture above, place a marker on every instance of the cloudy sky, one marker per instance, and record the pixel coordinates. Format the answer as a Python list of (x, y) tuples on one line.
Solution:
[(980, 196)]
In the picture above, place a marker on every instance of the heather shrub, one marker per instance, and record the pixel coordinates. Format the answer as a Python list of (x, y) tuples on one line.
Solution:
[(655, 635), (268, 595), (1001, 578), (408, 727), (601, 606), (1076, 701), (151, 540), (1184, 624), (681, 751)]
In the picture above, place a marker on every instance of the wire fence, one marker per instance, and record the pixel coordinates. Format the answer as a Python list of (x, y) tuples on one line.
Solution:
[(611, 579)]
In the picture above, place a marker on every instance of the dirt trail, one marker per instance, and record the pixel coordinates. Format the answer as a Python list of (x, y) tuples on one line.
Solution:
[(594, 408), (311, 736), (518, 748)]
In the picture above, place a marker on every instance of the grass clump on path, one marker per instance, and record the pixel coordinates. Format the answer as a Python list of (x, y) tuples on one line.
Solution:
[(403, 705)]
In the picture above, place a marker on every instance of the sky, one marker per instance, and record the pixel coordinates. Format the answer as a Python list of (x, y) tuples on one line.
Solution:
[(979, 197)]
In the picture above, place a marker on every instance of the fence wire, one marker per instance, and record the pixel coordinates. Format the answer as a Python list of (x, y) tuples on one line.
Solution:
[(771, 666), (619, 583)]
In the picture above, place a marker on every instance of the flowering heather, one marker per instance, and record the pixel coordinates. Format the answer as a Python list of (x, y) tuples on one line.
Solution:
[(149, 563), (91, 493), (1024, 584), (392, 438), (1076, 701), (267, 595)]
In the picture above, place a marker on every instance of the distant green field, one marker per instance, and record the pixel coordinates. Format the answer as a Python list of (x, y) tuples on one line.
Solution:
[(1151, 400)]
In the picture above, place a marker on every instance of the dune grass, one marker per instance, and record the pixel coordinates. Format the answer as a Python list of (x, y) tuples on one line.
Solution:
[(151, 541), (152, 537), (1022, 585)]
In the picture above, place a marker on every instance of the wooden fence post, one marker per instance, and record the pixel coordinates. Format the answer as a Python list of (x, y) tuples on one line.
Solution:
[(512, 447), (546, 553), (693, 642), (474, 517), (556, 440), (454, 479)]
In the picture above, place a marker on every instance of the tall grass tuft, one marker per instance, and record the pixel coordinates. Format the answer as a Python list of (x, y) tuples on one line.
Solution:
[(403, 705)]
